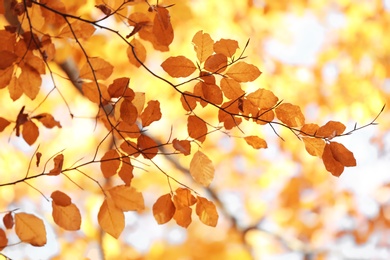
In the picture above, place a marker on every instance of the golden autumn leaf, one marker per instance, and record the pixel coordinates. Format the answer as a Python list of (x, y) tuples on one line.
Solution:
[(127, 198), (262, 98), (216, 63), (314, 146), (290, 115), (151, 113), (183, 198), (128, 112), (109, 163), (6, 76), (3, 123), (98, 96), (207, 212), (3, 239), (53, 18), (148, 146), (111, 219), (163, 209), (7, 59), (226, 47), (15, 89), (68, 217), (101, 69), (188, 102), (331, 164), (182, 216), (58, 162), (203, 45), (211, 93), (196, 128), (178, 67), (30, 132), (30, 229), (183, 146), (8, 220), (331, 129), (243, 72), (47, 120), (126, 171), (342, 154), (120, 88), (231, 88), (139, 101), (79, 29), (30, 81), (309, 129), (61, 199), (256, 142), (264, 116), (140, 52), (162, 27), (202, 169)]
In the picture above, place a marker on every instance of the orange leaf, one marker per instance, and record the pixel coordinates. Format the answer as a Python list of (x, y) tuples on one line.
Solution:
[(290, 115), (207, 212), (119, 88), (264, 116), (68, 217), (188, 102), (178, 66), (228, 120), (30, 229), (110, 218), (262, 98), (3, 239), (243, 72), (101, 69), (256, 142), (231, 88), (151, 113), (3, 123), (91, 91), (30, 132), (140, 52), (314, 146), (7, 59), (130, 148), (128, 112), (8, 220), (212, 93), (105, 9), (183, 216), (183, 198), (226, 47), (30, 81), (139, 101), (309, 129), (163, 209), (109, 163), (58, 162), (80, 29), (203, 45), (331, 164), (127, 198), (183, 146), (162, 27), (38, 156), (47, 120), (6, 76), (197, 128), (202, 169), (126, 171), (148, 146), (331, 129), (342, 154), (15, 89), (216, 63), (61, 199), (131, 131)]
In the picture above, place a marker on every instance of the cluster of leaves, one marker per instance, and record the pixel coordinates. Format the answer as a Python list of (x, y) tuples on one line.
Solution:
[(27, 52)]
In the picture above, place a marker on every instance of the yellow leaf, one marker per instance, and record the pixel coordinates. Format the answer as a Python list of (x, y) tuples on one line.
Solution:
[(256, 142), (111, 219), (243, 72), (30, 229), (178, 66), (202, 169), (290, 115), (207, 212), (68, 217), (314, 146), (127, 198), (163, 209), (203, 45)]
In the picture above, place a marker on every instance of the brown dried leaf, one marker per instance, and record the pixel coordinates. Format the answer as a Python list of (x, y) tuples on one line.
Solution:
[(6, 76), (128, 112), (331, 129), (243, 72), (38, 156), (197, 128), (188, 102), (178, 66), (15, 89), (30, 229), (58, 163), (91, 91), (202, 169), (151, 113), (8, 220), (61, 199), (7, 59), (162, 27), (130, 148), (256, 142), (203, 45), (163, 209), (30, 132), (30, 81), (119, 88), (3, 239), (331, 164), (212, 93), (47, 120)]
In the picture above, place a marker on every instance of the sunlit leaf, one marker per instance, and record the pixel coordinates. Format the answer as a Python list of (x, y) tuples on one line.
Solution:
[(188, 102), (183, 198), (7, 59), (182, 216), (231, 88), (98, 96), (111, 219), (151, 113), (140, 53), (342, 154), (178, 66), (262, 98), (148, 146), (203, 45), (212, 93), (202, 169), (207, 212), (126, 171), (6, 76), (47, 120), (309, 129), (30, 132), (109, 163), (243, 72), (183, 146), (139, 101), (128, 112), (256, 142), (197, 128), (226, 47), (331, 129), (331, 164), (290, 115), (68, 217), (58, 162), (30, 81), (162, 27), (79, 29), (163, 209), (216, 63), (119, 88), (127, 198), (30, 229), (314, 146), (3, 123), (101, 69)]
